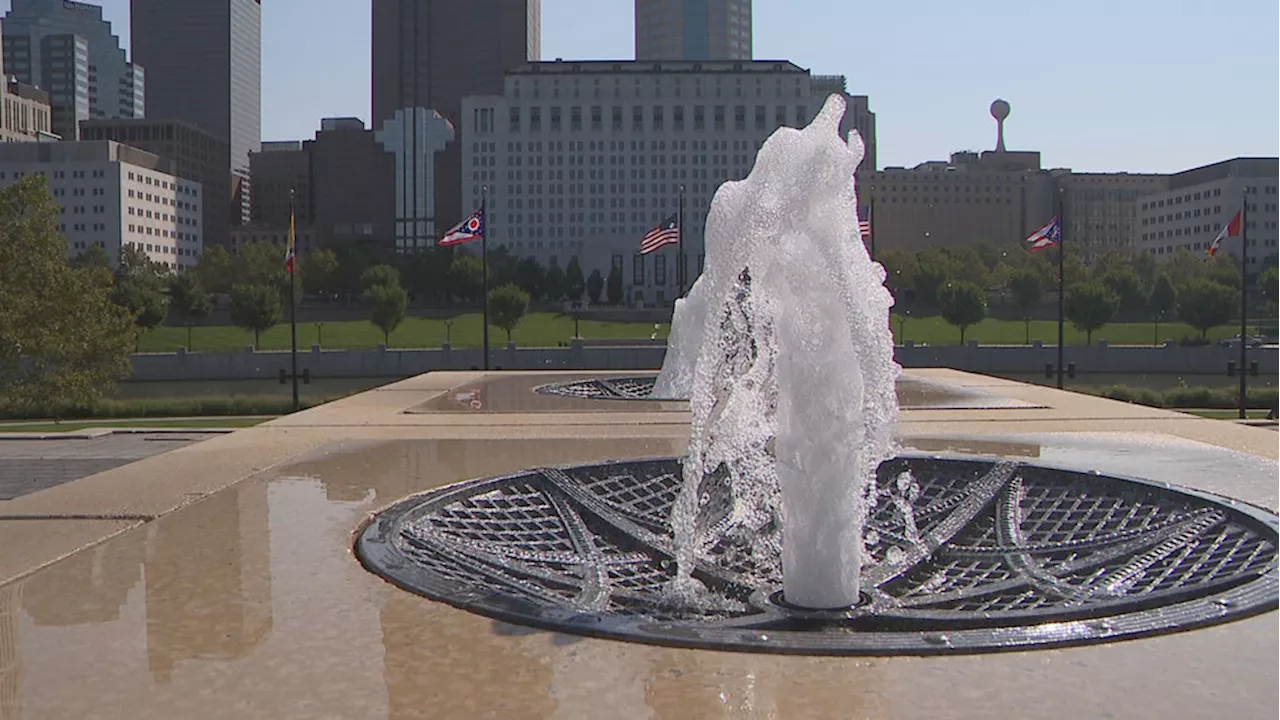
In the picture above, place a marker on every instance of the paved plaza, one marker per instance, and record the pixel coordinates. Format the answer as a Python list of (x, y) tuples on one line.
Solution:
[(30, 463)]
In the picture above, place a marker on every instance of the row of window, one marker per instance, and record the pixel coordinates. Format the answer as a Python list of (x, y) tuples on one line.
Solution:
[(655, 119)]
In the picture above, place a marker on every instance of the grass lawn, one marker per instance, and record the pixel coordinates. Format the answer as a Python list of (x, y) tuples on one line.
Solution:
[(182, 423), (537, 330), (1228, 414), (935, 331)]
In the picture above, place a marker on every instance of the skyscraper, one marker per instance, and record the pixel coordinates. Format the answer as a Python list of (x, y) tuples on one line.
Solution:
[(67, 49), (430, 54), (693, 29), (207, 60)]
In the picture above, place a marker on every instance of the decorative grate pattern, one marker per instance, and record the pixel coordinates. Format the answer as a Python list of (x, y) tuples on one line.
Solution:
[(985, 555), (619, 388)]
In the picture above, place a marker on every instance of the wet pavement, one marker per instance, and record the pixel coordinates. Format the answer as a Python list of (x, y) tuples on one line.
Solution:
[(29, 464)]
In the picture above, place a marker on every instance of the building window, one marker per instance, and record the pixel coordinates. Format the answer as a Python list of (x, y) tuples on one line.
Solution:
[(637, 118), (780, 117), (740, 118), (801, 120), (515, 119), (659, 270), (657, 117), (699, 120), (637, 270), (535, 119), (597, 118), (575, 119), (760, 118), (677, 118), (719, 118), (617, 118)]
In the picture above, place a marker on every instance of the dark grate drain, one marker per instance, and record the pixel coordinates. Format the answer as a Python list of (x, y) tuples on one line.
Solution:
[(618, 388), (1001, 556)]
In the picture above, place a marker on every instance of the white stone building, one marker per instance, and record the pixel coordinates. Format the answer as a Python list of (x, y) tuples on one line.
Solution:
[(582, 158), (114, 195), (1200, 201)]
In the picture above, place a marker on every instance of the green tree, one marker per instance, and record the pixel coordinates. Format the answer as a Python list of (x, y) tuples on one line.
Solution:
[(215, 269), (1090, 306), (553, 285), (140, 288), (595, 286), (574, 283), (319, 270), (93, 257), (900, 272), (261, 263), (388, 305), (256, 308), (934, 267), (188, 300), (1124, 282), (466, 277), (613, 286), (1203, 304), (962, 303), (1025, 290), (507, 306), (530, 277), (379, 275), (1269, 284), (1160, 302), (63, 343)]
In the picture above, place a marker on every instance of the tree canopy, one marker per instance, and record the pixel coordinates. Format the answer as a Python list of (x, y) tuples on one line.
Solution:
[(507, 307), (962, 304), (1090, 306), (63, 343)]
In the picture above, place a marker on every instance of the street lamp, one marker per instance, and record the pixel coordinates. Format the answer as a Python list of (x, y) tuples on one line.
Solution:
[(320, 334), (448, 332)]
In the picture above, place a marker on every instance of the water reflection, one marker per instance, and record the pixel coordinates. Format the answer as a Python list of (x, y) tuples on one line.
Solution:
[(208, 581), (10, 661), (102, 575)]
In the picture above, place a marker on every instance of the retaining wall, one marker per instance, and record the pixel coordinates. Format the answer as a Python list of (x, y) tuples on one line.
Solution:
[(395, 363)]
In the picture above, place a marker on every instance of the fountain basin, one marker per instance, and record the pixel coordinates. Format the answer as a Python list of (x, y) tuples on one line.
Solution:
[(1011, 555)]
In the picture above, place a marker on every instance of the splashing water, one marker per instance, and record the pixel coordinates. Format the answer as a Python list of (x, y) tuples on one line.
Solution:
[(784, 349)]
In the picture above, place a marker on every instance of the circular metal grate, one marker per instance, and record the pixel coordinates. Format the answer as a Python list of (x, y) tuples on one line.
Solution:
[(619, 388), (993, 555)]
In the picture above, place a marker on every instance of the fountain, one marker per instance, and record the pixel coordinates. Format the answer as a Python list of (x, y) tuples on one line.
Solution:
[(794, 524)]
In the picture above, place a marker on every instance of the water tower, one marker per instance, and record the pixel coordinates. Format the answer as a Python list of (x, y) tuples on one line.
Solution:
[(1000, 111)]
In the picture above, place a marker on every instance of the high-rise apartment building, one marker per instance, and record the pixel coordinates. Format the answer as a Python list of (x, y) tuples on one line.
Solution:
[(428, 55), (1199, 202), (113, 195), (193, 153), (693, 29), (67, 49), (581, 159), (205, 61)]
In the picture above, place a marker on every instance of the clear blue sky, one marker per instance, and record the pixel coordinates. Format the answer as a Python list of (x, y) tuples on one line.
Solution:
[(1139, 85)]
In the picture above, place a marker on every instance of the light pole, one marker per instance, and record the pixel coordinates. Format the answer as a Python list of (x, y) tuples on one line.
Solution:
[(320, 334), (448, 333)]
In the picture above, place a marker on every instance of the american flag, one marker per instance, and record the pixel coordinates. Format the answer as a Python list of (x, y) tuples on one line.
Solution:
[(665, 234), (864, 228)]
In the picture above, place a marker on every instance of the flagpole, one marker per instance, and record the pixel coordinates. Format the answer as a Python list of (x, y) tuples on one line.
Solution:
[(484, 267), (680, 261), (293, 302), (1062, 283), (1244, 295)]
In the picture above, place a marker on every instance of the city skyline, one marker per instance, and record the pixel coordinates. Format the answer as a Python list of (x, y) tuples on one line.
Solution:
[(930, 72)]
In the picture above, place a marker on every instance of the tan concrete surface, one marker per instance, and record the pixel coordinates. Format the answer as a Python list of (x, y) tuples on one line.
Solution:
[(242, 599)]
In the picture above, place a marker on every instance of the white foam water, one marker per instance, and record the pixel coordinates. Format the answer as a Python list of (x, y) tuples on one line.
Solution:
[(784, 349)]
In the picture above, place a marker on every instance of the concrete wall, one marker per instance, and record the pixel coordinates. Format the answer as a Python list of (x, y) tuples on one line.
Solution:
[(390, 363)]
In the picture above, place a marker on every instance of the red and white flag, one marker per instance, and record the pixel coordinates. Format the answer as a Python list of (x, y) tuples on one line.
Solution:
[(1046, 237), (1231, 229), (668, 233), (864, 228)]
